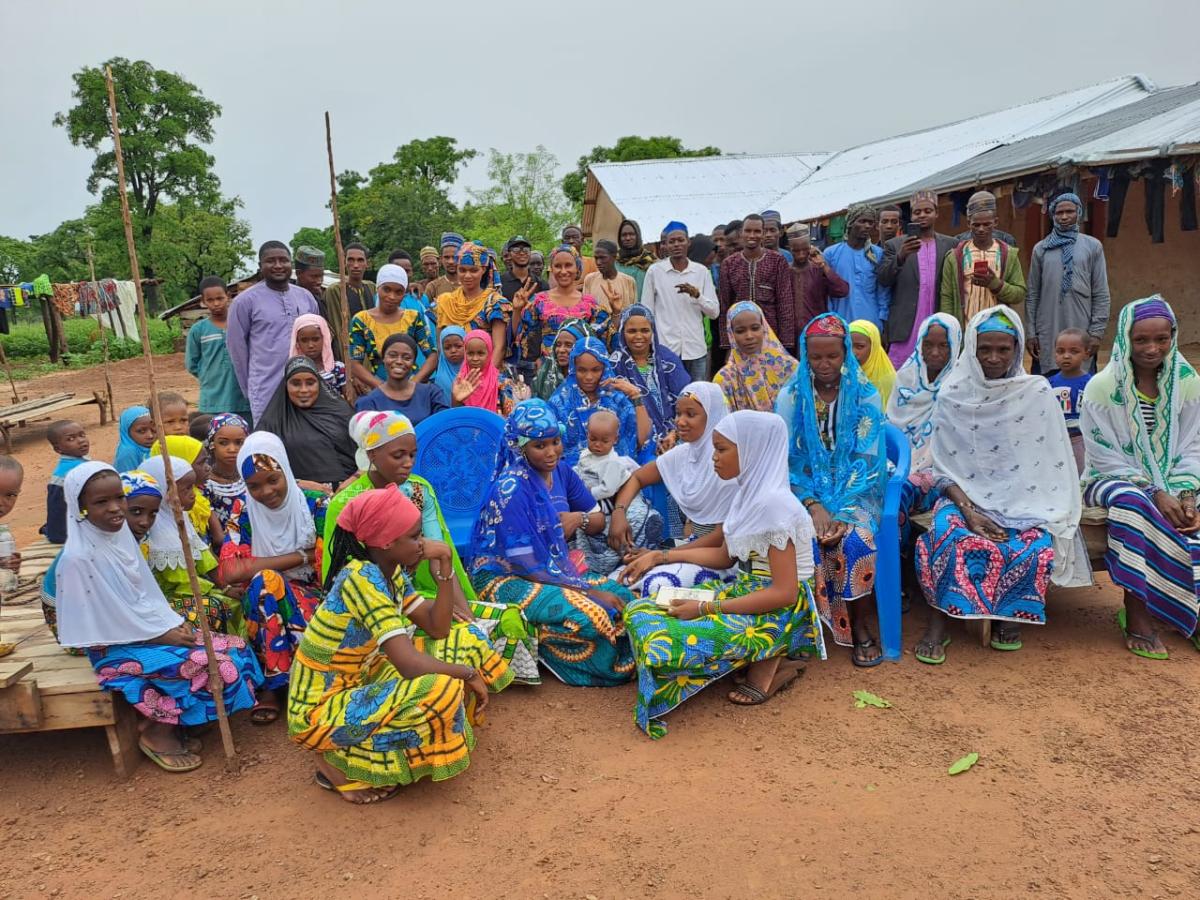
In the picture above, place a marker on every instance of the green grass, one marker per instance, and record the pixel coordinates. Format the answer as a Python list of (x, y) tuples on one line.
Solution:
[(28, 349)]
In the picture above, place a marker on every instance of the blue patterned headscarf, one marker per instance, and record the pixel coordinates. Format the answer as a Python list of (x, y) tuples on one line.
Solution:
[(847, 479), (573, 409), (446, 370), (130, 454), (519, 532), (1064, 239), (140, 484), (662, 384)]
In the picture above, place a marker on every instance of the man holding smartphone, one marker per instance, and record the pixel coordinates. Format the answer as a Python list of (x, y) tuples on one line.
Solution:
[(912, 268), (680, 293), (984, 271)]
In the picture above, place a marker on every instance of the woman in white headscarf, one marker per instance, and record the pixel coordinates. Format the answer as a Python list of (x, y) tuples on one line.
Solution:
[(764, 622), (686, 471), (273, 548), (1007, 521), (109, 604)]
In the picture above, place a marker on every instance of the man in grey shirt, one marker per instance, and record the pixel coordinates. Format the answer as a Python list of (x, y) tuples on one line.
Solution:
[(1068, 285)]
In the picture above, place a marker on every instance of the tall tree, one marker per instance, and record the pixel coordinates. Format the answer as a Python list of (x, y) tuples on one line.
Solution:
[(628, 149), (523, 198), (165, 121)]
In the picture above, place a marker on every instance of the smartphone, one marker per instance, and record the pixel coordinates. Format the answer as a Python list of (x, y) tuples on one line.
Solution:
[(982, 268), (912, 230)]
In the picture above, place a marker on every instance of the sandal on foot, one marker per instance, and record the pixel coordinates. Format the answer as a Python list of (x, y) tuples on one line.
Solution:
[(160, 757), (261, 714), (754, 696), (350, 787), (1123, 622), (928, 658), (1002, 640), (859, 661)]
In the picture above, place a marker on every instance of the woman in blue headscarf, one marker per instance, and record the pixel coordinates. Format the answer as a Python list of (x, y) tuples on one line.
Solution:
[(135, 434), (520, 555), (838, 465), (657, 372), (552, 370), (591, 385)]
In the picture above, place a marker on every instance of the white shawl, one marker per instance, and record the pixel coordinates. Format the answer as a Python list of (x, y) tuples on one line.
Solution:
[(765, 513), (686, 469), (910, 406), (288, 529), (106, 594), (165, 549), (1005, 444)]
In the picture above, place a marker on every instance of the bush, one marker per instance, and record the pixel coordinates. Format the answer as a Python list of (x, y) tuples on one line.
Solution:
[(29, 341)]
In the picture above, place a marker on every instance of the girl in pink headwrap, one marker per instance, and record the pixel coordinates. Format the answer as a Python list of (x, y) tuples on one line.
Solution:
[(480, 383), (311, 338)]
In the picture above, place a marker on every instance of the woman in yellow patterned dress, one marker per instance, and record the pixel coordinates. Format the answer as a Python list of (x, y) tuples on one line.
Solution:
[(764, 622), (382, 708)]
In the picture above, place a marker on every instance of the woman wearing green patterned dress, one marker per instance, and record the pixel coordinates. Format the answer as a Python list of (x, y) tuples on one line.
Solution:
[(387, 448), (766, 621)]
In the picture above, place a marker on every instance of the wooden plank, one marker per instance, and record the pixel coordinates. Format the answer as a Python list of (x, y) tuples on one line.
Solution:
[(26, 405), (43, 411), (12, 672), (72, 711), (20, 707)]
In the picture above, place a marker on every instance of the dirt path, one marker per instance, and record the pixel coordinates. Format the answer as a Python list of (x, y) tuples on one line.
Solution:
[(1086, 787)]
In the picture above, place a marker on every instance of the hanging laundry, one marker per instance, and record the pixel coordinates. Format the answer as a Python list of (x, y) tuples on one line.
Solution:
[(1156, 200), (65, 298), (41, 286), (127, 317), (1101, 192), (7, 298), (1118, 190), (958, 203)]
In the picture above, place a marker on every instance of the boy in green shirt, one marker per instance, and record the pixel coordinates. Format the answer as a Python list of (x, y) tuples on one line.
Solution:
[(208, 357)]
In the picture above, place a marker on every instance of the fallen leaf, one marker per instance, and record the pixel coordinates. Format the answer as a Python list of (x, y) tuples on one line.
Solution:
[(870, 787), (866, 698), (961, 765)]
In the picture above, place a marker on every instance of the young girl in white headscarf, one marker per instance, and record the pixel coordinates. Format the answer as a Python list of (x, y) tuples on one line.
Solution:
[(109, 604), (764, 622)]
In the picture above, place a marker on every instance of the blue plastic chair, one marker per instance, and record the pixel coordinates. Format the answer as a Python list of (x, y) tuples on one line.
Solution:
[(456, 453), (887, 544)]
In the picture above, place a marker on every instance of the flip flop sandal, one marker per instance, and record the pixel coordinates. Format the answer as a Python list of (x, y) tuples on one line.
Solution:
[(756, 696), (350, 787), (865, 663), (263, 715), (1122, 622), (160, 759), (932, 660), (998, 642)]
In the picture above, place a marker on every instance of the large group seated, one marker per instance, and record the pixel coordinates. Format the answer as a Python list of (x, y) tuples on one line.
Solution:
[(339, 601)]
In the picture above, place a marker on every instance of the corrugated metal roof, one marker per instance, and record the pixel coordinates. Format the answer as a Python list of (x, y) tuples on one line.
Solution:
[(701, 191), (879, 169), (805, 186), (1168, 118)]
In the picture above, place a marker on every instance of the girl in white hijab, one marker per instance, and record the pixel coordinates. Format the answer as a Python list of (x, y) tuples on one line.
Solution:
[(110, 604), (273, 549), (764, 622), (686, 471), (1007, 521)]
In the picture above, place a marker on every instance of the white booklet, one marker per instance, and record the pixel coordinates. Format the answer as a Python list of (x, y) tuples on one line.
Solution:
[(668, 595)]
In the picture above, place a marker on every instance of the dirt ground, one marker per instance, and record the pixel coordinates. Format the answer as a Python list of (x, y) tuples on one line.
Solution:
[(1086, 785)]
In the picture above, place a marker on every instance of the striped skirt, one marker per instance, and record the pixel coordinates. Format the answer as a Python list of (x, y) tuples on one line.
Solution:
[(1148, 557)]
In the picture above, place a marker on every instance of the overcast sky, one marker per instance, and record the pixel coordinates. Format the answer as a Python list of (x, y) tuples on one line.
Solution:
[(744, 77)]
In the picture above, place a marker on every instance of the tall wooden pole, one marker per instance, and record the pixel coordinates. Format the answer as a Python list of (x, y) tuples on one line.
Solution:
[(8, 369), (103, 335), (215, 684), (344, 337)]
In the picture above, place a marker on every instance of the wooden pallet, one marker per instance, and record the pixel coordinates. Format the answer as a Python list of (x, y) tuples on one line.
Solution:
[(43, 688), (41, 407)]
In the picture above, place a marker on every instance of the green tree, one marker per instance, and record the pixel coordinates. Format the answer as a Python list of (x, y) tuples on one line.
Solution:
[(191, 243), (523, 198), (627, 149), (164, 121), (15, 256)]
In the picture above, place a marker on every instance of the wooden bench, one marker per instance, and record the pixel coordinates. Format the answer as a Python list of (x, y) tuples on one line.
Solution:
[(43, 688), (1093, 523), (40, 408)]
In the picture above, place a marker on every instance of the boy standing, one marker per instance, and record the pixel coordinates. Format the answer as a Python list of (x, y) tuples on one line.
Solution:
[(208, 356), (70, 442), (1071, 354)]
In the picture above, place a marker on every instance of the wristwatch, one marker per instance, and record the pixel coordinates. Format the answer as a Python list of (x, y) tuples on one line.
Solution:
[(637, 401), (583, 523)]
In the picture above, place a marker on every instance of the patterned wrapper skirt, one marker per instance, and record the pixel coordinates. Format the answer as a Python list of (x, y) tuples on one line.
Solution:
[(677, 659), (511, 636), (845, 572), (393, 730), (970, 577), (277, 611), (170, 684), (1147, 556), (579, 641)]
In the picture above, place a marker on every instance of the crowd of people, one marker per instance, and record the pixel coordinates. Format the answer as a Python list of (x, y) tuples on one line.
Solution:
[(340, 603)]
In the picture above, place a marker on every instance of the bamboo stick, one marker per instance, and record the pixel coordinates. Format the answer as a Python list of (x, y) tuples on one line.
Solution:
[(215, 684), (103, 336), (344, 337), (8, 370)]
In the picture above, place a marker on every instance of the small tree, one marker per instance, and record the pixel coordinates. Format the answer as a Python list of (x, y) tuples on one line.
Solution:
[(524, 198)]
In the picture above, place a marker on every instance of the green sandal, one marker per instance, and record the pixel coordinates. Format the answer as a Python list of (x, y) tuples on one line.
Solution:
[(931, 660), (1122, 622), (999, 643)]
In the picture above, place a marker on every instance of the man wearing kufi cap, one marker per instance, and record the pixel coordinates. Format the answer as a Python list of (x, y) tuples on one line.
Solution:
[(814, 281), (773, 238), (977, 201), (451, 241), (912, 268), (856, 260), (984, 271), (1068, 284)]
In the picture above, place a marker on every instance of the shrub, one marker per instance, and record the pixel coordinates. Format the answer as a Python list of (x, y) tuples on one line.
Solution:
[(29, 341)]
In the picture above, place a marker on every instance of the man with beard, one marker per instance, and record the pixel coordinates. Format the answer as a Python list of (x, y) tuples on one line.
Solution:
[(856, 260), (814, 281)]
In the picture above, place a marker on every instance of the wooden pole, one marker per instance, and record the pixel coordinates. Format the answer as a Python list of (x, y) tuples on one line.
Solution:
[(103, 335), (8, 369), (215, 684), (344, 337)]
